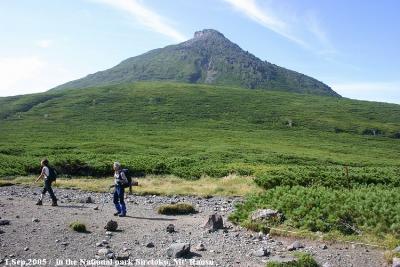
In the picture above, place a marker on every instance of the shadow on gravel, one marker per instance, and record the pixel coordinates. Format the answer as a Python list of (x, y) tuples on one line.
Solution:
[(192, 255), (71, 207), (150, 219)]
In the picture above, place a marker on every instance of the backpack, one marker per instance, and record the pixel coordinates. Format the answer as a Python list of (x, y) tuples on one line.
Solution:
[(129, 178), (52, 174)]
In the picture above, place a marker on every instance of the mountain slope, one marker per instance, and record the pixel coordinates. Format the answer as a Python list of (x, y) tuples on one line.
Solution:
[(207, 58), (190, 130)]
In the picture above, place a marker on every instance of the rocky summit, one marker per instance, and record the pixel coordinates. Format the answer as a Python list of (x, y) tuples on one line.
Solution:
[(209, 57)]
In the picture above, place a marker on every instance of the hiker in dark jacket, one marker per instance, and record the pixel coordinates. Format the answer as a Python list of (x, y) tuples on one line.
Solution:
[(47, 183), (119, 181)]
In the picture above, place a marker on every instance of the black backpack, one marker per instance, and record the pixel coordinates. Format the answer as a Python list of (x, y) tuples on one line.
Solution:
[(129, 178), (52, 174)]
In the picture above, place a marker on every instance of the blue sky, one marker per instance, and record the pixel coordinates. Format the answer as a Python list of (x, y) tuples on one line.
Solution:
[(353, 46)]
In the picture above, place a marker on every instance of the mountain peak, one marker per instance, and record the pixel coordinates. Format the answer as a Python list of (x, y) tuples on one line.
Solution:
[(208, 33), (209, 57)]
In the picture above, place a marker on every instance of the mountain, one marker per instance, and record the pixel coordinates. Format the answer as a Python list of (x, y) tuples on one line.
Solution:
[(208, 58)]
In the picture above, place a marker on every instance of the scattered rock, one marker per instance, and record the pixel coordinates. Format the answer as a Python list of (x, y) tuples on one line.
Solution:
[(178, 250), (326, 264), (150, 245), (111, 226), (396, 262), (35, 220), (64, 244), (104, 252), (108, 233), (214, 222), (261, 252), (324, 246), (4, 222), (170, 228), (89, 200), (1, 232), (397, 250), (99, 244), (266, 215), (26, 248), (200, 247), (96, 208), (295, 246), (122, 256)]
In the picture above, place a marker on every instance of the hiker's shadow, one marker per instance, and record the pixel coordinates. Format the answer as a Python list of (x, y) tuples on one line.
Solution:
[(72, 207), (150, 219)]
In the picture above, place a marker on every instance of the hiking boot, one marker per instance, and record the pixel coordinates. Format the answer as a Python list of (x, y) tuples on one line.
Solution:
[(39, 203), (122, 215), (54, 204)]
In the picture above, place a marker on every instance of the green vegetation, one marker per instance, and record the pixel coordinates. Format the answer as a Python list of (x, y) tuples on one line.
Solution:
[(209, 58), (302, 260), (78, 227), (176, 209), (296, 146)]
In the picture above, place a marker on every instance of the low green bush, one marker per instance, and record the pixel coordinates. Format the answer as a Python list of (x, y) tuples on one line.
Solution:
[(372, 209), (78, 227), (302, 260)]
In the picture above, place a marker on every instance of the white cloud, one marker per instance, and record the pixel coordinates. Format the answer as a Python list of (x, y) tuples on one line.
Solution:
[(22, 75), (373, 91), (145, 16), (265, 18), (45, 43), (302, 28)]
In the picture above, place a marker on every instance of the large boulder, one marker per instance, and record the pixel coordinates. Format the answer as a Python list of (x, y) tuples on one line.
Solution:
[(214, 222), (178, 250)]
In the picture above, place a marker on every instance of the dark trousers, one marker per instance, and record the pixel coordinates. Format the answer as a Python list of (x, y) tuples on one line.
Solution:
[(119, 201), (47, 188)]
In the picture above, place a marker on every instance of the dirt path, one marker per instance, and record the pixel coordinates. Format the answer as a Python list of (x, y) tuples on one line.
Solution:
[(50, 237)]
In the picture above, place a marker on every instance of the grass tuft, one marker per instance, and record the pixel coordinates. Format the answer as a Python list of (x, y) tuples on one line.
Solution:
[(78, 227), (302, 260), (176, 209)]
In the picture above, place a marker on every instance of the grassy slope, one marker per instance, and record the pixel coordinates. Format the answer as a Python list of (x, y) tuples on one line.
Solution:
[(189, 130)]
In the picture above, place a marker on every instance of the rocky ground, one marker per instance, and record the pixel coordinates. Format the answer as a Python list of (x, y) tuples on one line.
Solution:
[(39, 235)]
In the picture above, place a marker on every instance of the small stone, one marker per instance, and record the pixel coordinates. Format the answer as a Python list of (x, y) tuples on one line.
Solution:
[(89, 200), (17, 216), (108, 233), (26, 249), (150, 245), (35, 220), (4, 222), (324, 246), (122, 256), (261, 252), (110, 255), (64, 243), (295, 246), (57, 241), (397, 250), (170, 228), (99, 244), (96, 208), (178, 250), (200, 247), (103, 252)]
